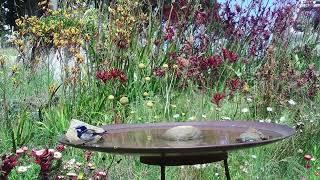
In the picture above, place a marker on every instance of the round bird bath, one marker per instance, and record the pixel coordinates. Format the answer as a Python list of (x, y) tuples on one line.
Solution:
[(217, 139)]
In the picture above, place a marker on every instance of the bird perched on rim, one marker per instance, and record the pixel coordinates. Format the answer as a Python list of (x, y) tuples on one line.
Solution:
[(80, 132)]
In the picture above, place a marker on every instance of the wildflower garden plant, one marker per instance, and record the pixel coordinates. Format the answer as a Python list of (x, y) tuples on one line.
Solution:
[(128, 61)]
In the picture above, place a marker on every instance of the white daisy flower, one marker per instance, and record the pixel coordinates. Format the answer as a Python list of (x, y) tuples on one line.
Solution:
[(292, 102), (176, 116), (244, 110), (57, 155), (72, 174), (269, 109), (225, 118), (22, 169)]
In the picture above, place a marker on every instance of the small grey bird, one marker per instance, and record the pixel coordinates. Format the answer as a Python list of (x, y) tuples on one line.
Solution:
[(80, 132), (86, 134)]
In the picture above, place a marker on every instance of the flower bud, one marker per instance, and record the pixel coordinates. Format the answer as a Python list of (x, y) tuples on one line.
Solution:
[(147, 78), (111, 97), (141, 66), (124, 100)]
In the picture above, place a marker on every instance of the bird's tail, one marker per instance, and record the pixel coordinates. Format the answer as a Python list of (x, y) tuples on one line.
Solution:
[(100, 134)]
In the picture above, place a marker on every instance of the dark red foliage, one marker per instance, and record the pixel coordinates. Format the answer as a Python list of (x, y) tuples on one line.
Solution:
[(214, 61), (169, 34), (217, 98), (113, 74), (8, 163), (311, 92), (235, 84), (157, 42), (187, 47), (44, 159), (229, 55), (200, 17), (103, 76), (215, 12), (60, 148), (170, 13), (159, 72)]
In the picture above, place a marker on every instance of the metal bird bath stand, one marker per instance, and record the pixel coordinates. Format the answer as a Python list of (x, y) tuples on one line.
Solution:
[(218, 138)]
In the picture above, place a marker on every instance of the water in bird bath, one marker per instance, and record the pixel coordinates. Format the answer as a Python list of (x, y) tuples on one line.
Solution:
[(153, 138)]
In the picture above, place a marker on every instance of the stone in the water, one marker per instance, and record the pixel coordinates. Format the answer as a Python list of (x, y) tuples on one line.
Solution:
[(182, 133), (251, 135)]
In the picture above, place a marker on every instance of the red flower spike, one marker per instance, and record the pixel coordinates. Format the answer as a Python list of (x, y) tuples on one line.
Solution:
[(60, 148), (214, 61), (113, 74), (217, 98), (8, 163), (229, 55), (235, 84), (44, 159), (200, 17), (159, 72), (169, 34)]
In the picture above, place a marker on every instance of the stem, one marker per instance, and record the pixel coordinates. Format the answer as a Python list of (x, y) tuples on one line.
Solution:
[(168, 89), (100, 21), (6, 112)]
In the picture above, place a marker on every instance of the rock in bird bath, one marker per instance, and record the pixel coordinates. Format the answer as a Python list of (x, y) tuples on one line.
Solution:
[(182, 133), (251, 135)]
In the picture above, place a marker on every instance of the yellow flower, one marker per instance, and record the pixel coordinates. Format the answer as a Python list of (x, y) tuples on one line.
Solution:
[(14, 68), (246, 88), (52, 88), (145, 94), (14, 80)]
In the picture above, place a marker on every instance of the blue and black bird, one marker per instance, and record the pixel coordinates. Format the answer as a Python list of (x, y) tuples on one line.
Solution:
[(86, 134)]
